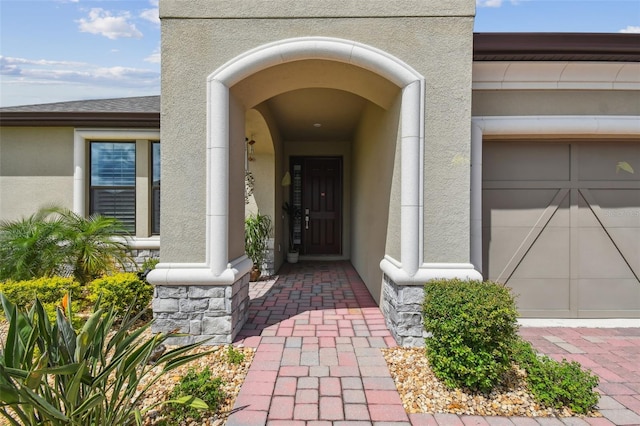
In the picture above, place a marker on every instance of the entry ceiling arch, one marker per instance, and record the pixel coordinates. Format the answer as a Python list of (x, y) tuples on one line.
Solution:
[(315, 73)]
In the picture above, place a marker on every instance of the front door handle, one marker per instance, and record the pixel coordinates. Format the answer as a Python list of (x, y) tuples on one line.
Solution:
[(306, 218)]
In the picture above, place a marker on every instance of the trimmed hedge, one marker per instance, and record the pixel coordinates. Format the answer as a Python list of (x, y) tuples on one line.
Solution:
[(122, 291), (473, 328), (49, 290)]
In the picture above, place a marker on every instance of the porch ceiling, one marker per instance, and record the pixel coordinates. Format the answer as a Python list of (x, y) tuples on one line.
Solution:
[(316, 114)]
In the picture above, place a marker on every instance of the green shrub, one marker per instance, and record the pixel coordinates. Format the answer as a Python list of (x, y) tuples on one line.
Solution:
[(50, 291), (235, 356), (197, 384), (473, 327), (53, 375), (557, 384), (122, 291), (149, 264)]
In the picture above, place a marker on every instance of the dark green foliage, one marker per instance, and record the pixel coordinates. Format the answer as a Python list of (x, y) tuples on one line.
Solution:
[(557, 384), (473, 326), (198, 384), (50, 374), (235, 356), (122, 291)]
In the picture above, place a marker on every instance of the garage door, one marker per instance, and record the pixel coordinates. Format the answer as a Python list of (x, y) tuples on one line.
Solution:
[(561, 226)]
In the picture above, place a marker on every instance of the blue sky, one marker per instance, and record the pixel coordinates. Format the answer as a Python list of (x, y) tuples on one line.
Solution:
[(61, 50)]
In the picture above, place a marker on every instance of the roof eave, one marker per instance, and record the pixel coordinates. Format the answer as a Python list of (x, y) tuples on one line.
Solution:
[(556, 46), (77, 119)]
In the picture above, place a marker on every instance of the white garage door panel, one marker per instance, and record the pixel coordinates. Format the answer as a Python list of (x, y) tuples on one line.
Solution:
[(568, 246)]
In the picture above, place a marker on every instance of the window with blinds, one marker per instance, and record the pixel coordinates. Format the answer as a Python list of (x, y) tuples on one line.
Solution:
[(155, 188), (113, 179)]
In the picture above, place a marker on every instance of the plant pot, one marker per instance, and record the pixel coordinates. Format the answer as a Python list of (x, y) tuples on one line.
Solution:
[(254, 275), (293, 256)]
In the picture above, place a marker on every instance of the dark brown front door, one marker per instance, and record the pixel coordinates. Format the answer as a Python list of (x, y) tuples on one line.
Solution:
[(321, 205)]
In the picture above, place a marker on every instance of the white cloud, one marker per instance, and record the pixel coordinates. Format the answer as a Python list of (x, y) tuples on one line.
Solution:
[(102, 22), (154, 58), (631, 29), (153, 14), (48, 71), (488, 3), (495, 3)]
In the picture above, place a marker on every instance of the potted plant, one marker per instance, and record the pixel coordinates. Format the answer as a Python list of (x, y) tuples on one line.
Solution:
[(257, 229), (292, 212)]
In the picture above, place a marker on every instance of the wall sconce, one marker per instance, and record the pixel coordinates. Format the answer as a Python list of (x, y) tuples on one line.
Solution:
[(286, 180), (250, 151)]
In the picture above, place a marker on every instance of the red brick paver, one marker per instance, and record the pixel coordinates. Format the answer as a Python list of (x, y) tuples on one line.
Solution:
[(318, 334)]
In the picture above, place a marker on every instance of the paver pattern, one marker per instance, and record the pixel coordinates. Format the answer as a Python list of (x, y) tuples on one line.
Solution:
[(318, 333)]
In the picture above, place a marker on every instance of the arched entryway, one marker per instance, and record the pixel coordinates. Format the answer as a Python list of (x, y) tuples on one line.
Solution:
[(391, 90)]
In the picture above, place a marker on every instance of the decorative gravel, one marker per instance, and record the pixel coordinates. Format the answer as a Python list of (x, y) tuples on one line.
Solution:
[(422, 392), (231, 374)]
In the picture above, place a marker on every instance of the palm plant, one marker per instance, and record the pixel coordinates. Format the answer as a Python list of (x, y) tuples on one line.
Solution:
[(91, 245), (55, 238), (29, 247), (49, 374)]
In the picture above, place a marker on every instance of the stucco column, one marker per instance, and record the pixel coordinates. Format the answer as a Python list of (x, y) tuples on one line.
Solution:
[(411, 184), (218, 176), (476, 196)]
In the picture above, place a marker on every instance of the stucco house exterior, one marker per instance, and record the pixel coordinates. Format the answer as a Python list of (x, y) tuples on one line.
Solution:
[(413, 148)]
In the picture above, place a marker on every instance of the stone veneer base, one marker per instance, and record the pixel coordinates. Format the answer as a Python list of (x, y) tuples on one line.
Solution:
[(402, 309), (216, 312)]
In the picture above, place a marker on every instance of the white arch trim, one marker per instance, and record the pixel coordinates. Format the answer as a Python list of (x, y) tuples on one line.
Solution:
[(218, 268), (533, 127)]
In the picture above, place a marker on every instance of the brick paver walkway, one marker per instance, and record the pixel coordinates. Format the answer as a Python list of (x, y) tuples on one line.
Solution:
[(318, 334)]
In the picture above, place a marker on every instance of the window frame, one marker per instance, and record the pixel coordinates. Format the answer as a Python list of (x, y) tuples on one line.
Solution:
[(81, 176)]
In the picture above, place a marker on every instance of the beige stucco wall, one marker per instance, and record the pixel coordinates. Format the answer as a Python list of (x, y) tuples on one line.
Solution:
[(372, 172), (437, 42), (268, 170), (36, 169), (556, 102)]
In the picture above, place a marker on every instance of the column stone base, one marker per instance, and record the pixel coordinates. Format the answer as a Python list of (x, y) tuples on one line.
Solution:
[(402, 309), (216, 312)]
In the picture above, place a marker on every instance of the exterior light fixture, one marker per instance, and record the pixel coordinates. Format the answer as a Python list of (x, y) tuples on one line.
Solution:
[(250, 150)]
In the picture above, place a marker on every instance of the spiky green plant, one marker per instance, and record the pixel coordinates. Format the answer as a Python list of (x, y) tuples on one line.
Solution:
[(53, 375)]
